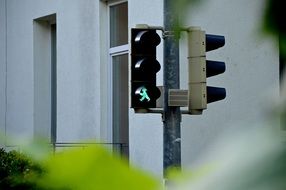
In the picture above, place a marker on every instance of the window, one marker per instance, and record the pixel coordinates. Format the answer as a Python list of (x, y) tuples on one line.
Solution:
[(45, 78), (118, 53), (118, 24), (120, 102)]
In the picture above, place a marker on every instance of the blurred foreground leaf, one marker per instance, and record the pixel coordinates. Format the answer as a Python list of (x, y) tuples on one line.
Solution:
[(254, 160), (92, 168), (274, 22)]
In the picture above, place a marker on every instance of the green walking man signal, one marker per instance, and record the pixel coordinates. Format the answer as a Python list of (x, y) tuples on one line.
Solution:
[(144, 95)]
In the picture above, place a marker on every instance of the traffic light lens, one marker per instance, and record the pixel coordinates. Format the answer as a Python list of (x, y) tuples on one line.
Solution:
[(148, 64), (144, 94), (214, 42), (147, 38), (214, 68), (215, 94), (142, 91)]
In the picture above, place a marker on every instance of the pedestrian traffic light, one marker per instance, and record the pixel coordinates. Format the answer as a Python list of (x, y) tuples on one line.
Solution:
[(199, 69), (144, 67)]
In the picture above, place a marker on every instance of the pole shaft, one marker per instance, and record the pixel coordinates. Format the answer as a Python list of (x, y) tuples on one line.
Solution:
[(172, 115)]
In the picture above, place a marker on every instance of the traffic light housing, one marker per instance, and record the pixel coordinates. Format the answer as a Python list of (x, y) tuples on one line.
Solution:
[(199, 69), (144, 67)]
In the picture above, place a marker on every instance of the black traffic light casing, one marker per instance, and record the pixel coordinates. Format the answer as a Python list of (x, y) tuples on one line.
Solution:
[(200, 68), (144, 67)]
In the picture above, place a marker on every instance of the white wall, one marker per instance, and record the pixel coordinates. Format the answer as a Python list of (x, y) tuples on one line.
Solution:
[(19, 71), (2, 66), (78, 68), (78, 71), (252, 73)]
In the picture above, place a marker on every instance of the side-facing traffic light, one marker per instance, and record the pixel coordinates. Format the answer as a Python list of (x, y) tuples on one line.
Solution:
[(199, 69), (144, 67), (214, 67)]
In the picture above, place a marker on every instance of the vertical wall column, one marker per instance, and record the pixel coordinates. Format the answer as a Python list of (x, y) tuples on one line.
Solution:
[(45, 87), (3, 66)]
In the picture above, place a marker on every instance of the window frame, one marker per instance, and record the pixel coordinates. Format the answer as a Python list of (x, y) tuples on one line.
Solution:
[(112, 52)]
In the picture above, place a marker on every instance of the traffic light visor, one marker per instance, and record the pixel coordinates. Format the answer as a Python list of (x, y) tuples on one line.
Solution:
[(214, 42), (147, 38)]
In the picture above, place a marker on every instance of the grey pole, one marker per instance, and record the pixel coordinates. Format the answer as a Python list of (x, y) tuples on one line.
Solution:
[(171, 115)]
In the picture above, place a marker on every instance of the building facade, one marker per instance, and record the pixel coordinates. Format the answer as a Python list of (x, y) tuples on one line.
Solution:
[(65, 74)]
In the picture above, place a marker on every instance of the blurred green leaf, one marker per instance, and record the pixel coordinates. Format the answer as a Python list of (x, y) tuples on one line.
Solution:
[(180, 8), (93, 168), (274, 22)]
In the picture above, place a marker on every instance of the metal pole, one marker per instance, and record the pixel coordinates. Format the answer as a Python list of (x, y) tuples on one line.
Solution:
[(171, 115)]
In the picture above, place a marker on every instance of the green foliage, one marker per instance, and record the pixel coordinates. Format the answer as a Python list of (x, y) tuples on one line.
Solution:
[(275, 24), (274, 20), (76, 169), (16, 170), (180, 8), (92, 168)]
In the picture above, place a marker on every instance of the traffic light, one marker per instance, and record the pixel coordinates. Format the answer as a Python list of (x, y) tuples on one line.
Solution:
[(199, 69), (144, 67)]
